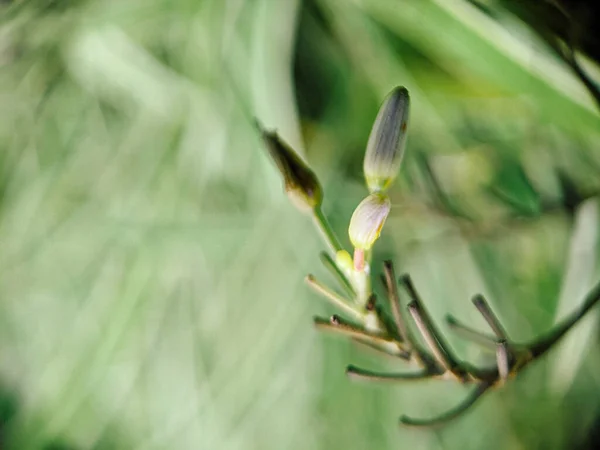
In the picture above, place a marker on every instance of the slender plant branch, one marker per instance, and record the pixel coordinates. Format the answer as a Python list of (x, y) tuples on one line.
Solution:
[(334, 298), (479, 337), (382, 342), (330, 265), (492, 320), (451, 414), (392, 351), (327, 233), (392, 292), (363, 374), (430, 333), (546, 342), (424, 326), (503, 359)]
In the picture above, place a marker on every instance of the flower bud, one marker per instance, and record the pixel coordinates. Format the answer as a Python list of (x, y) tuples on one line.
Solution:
[(344, 261), (368, 219), (385, 147), (300, 183)]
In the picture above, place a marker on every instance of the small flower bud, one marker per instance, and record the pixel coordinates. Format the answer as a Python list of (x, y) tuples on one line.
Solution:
[(300, 183), (344, 261), (385, 147), (368, 219)]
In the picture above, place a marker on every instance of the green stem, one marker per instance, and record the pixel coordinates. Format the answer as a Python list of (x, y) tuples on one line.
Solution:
[(546, 342), (335, 298), (449, 415), (358, 373), (326, 231), (381, 342), (485, 340), (332, 266), (362, 285)]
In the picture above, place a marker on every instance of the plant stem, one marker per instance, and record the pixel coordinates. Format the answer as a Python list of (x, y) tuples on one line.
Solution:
[(335, 298), (382, 342), (362, 285), (394, 298), (492, 320), (545, 343), (451, 414), (358, 373), (327, 233), (425, 328), (332, 266), (485, 340), (502, 360), (425, 324)]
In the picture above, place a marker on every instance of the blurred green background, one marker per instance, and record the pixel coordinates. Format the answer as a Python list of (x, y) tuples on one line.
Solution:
[(151, 267)]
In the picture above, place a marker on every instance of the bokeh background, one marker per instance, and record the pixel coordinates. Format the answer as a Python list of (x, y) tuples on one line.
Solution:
[(151, 268)]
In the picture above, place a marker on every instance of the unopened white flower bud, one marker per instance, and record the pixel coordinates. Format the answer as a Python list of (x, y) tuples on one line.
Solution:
[(385, 147), (368, 219)]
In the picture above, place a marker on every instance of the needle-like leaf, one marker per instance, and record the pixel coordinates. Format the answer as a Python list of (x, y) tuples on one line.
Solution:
[(368, 375), (449, 415)]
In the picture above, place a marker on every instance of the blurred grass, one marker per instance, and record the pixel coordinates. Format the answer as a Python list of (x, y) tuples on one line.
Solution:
[(151, 266)]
